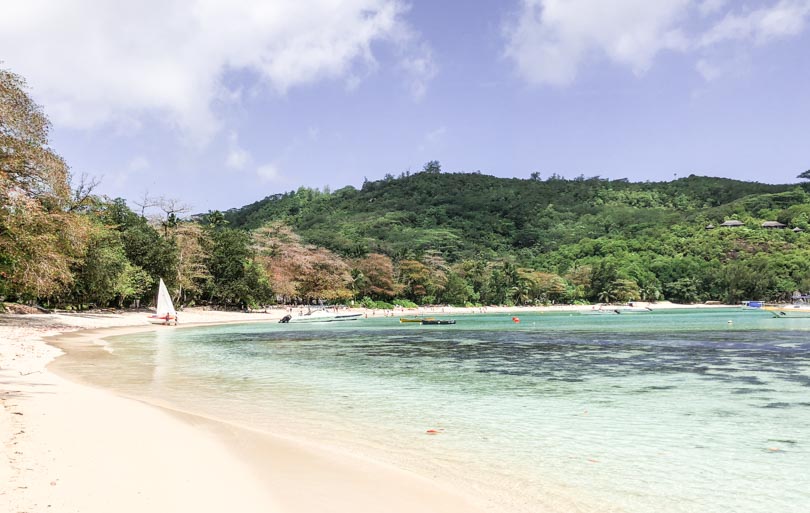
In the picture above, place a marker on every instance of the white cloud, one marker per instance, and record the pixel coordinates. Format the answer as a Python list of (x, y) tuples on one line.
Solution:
[(138, 163), (437, 135), (420, 69), (237, 157), (552, 38), (709, 7), (269, 173), (433, 138), (784, 19), (549, 41), (93, 62)]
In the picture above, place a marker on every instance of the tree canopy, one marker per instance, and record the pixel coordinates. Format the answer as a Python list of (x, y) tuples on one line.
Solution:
[(428, 237)]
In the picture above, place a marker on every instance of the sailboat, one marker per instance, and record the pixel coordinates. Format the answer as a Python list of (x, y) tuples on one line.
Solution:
[(165, 314)]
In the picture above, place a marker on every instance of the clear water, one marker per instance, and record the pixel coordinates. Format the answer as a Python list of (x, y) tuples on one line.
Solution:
[(676, 411)]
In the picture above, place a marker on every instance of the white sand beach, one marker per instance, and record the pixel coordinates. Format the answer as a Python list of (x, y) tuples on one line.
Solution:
[(72, 448), (68, 447)]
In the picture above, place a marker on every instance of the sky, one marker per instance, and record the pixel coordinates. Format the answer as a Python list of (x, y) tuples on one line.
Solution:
[(217, 104)]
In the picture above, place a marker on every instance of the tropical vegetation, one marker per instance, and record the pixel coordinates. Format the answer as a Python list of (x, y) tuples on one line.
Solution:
[(428, 237)]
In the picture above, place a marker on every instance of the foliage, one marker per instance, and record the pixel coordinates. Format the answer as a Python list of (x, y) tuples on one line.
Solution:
[(422, 238), (40, 236)]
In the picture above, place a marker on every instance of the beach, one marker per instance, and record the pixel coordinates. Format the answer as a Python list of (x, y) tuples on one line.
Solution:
[(68, 447)]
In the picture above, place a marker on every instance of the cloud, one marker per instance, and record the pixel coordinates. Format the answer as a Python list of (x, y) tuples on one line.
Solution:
[(551, 38), (549, 41), (784, 19), (94, 62), (269, 173), (138, 163), (237, 157), (433, 138), (709, 7), (420, 69)]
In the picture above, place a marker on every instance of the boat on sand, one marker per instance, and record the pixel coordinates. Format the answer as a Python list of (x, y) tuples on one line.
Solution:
[(165, 312)]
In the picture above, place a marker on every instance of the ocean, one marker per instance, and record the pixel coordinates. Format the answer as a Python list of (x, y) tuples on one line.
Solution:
[(670, 411)]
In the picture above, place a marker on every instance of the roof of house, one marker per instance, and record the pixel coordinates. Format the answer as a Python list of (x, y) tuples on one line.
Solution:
[(773, 224), (733, 222)]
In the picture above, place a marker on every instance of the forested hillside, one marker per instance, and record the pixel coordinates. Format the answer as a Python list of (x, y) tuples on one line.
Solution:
[(427, 237), (468, 237)]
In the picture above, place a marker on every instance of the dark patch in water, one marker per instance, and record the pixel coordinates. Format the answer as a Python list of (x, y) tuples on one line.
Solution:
[(740, 391), (776, 405), (751, 380)]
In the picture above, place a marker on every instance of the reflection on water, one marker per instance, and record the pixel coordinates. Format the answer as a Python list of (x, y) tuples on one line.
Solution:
[(680, 411)]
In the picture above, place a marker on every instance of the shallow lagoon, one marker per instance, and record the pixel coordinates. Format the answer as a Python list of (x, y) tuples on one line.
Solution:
[(669, 411)]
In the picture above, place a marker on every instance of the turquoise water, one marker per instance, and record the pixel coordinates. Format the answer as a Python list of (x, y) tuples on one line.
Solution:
[(672, 411)]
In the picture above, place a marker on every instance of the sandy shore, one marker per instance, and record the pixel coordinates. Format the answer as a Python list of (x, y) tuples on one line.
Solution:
[(72, 448)]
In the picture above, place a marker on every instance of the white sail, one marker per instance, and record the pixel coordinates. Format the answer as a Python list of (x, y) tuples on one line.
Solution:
[(164, 302)]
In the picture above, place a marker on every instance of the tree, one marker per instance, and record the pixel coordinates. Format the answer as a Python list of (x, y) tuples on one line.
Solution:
[(235, 278), (433, 167), (377, 272), (415, 278), (191, 240), (804, 175), (458, 291), (40, 237)]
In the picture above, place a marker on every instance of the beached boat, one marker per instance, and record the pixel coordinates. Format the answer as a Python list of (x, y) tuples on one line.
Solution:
[(433, 322), (613, 310), (792, 311), (325, 316), (165, 312)]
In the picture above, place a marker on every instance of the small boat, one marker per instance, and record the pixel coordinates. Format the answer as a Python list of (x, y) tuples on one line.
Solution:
[(165, 312), (433, 322), (324, 316), (412, 319), (614, 310), (798, 310)]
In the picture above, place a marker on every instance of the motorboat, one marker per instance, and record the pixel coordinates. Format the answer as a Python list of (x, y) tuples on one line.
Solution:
[(324, 316), (614, 310), (796, 310)]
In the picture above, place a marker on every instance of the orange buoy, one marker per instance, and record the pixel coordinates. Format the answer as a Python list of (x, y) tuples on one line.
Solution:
[(515, 319)]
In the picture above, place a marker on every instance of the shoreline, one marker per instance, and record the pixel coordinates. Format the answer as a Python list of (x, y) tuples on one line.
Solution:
[(64, 438), (70, 446)]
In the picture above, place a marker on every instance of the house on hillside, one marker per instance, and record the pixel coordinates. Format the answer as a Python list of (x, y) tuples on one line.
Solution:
[(732, 223), (773, 224)]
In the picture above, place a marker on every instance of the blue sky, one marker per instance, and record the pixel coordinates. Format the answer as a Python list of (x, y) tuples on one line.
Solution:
[(218, 104)]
